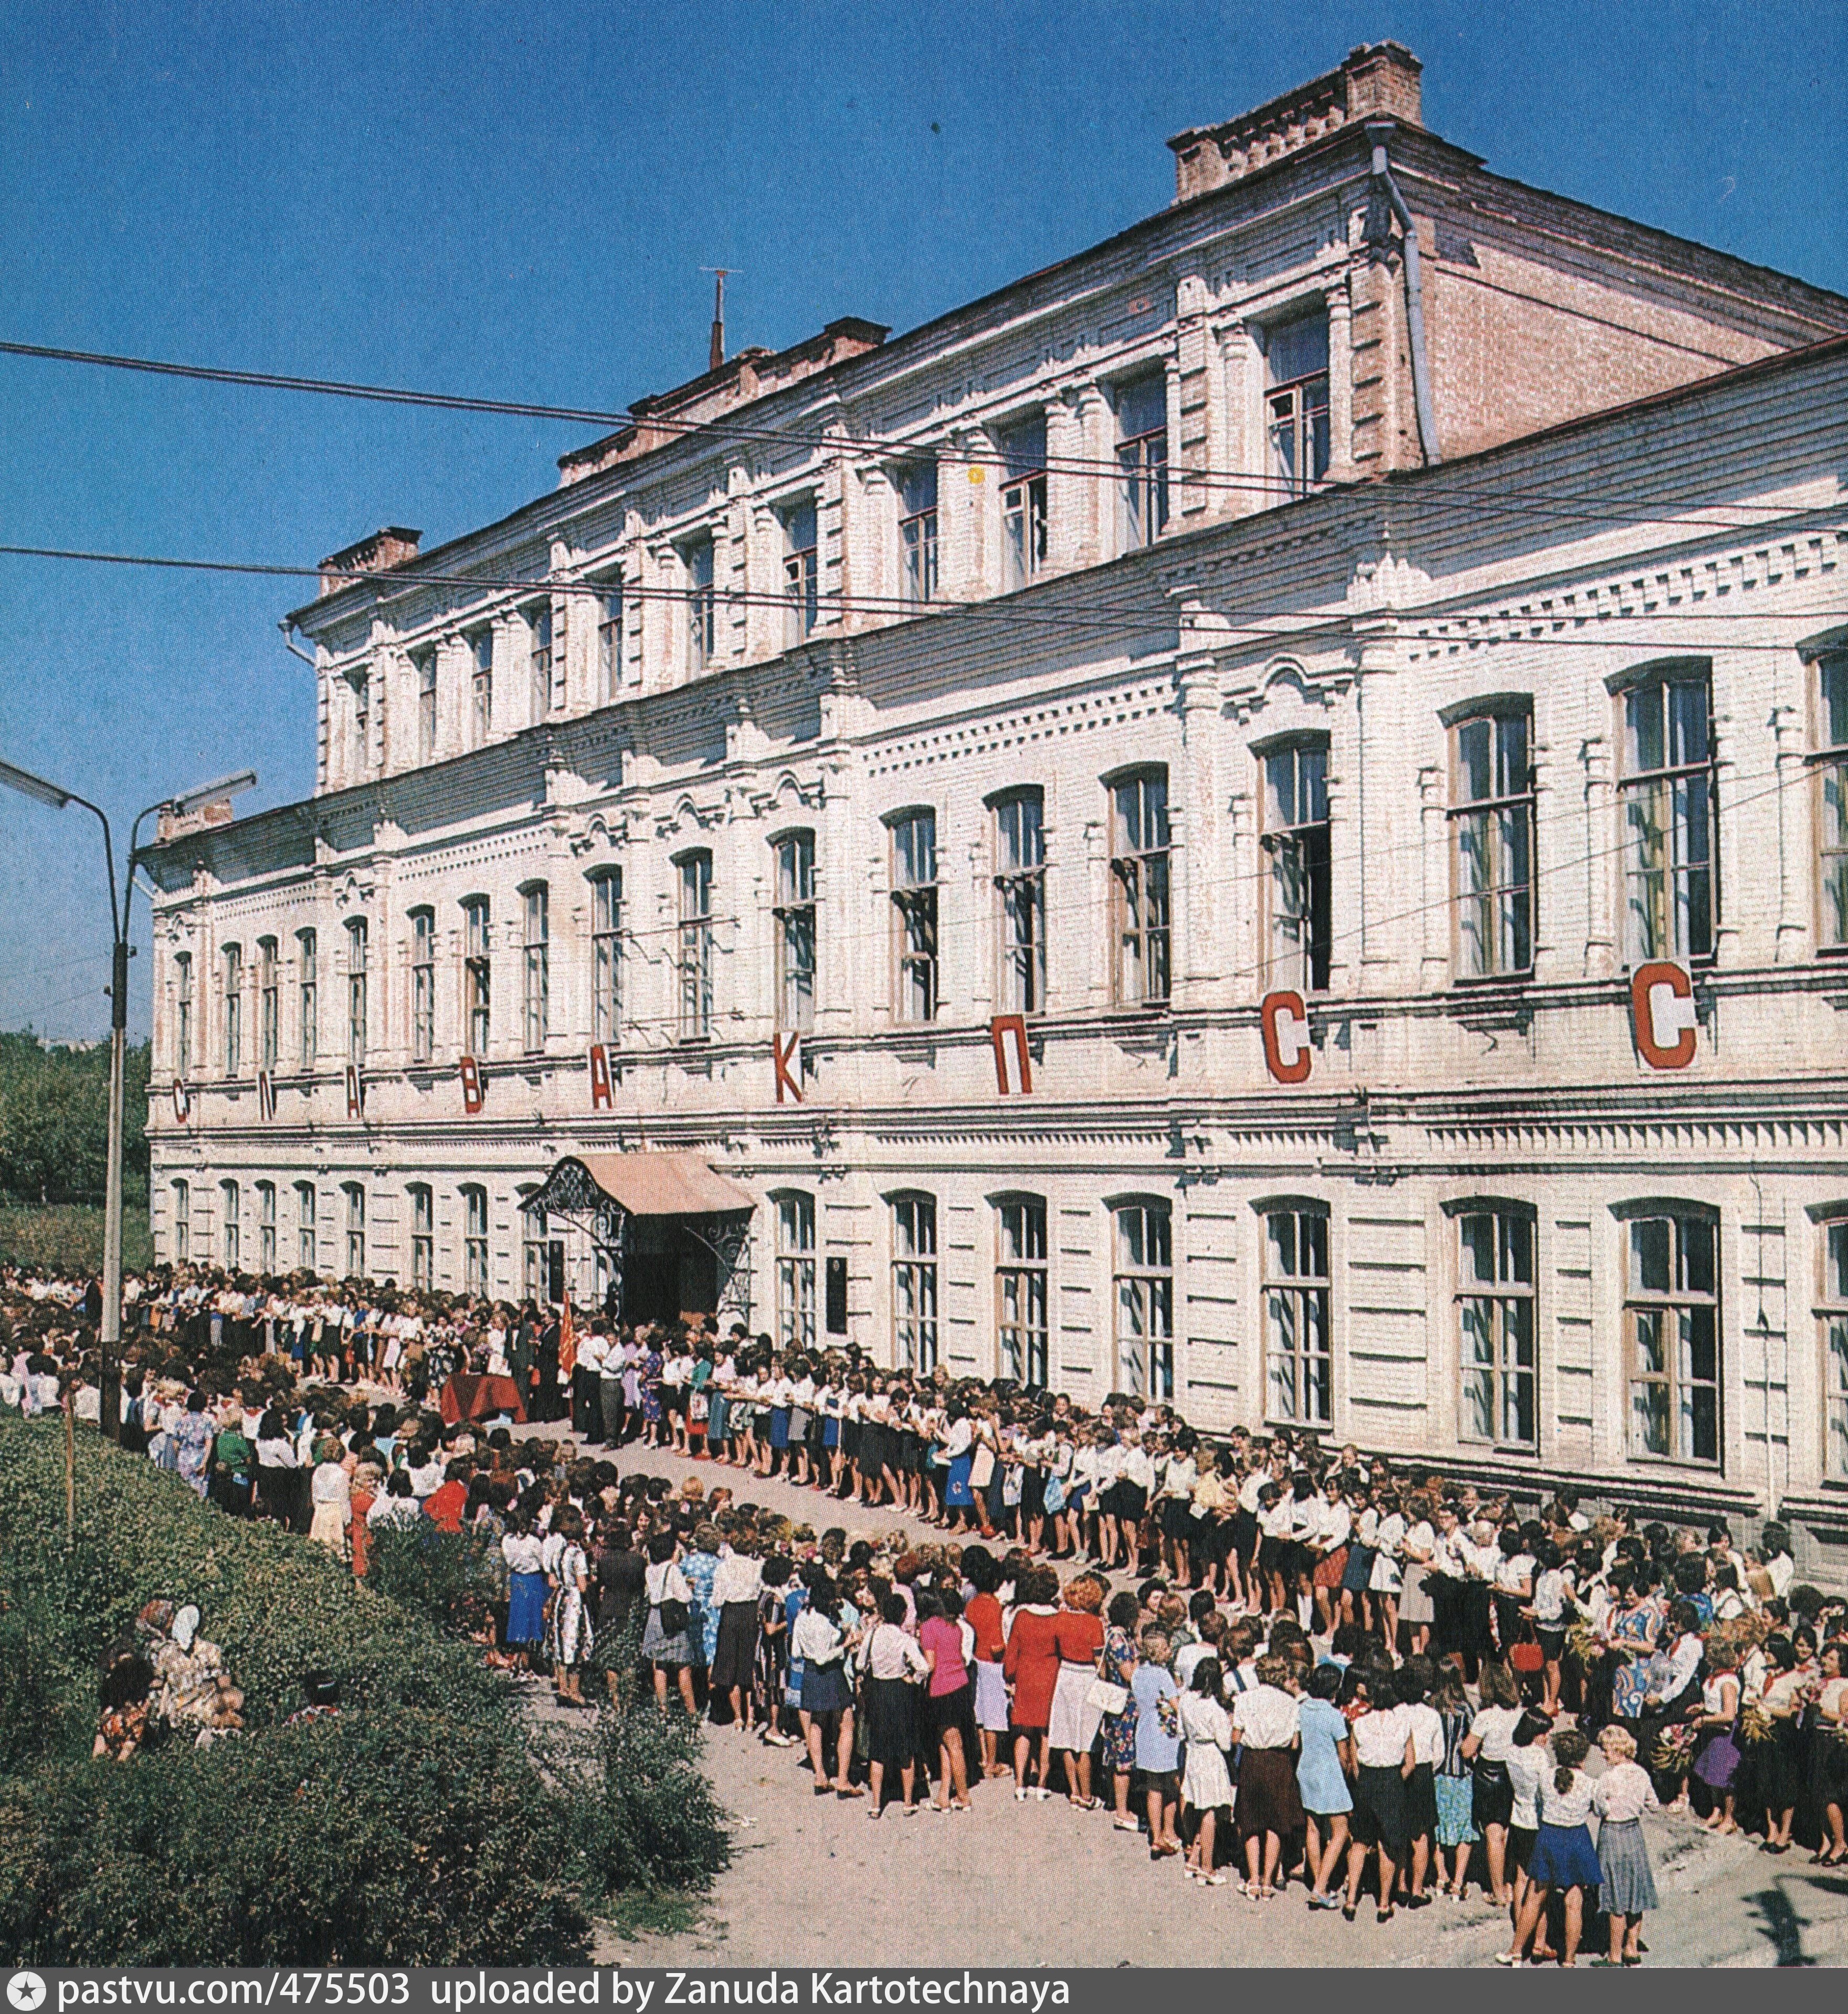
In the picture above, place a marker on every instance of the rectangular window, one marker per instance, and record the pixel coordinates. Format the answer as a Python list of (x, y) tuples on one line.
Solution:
[(269, 1003), (1833, 1313), (1831, 766), (606, 955), (1020, 888), (182, 1223), (535, 1000), (1138, 870), (477, 976), (914, 913), (1298, 1352), (802, 578), (355, 990), (1297, 843), (234, 1009), (475, 1241), (231, 1242), (1141, 457), (1671, 1311), (1495, 1327), (695, 872), (1666, 793), (356, 1229), (424, 663), (423, 985), (182, 1013), (481, 686), (306, 1255), (423, 1237), (360, 719), (794, 921), (796, 1271), (265, 1227), (308, 995), (1023, 503), (609, 642), (917, 532), (702, 606), (535, 1272), (1491, 823), (1296, 366), (539, 659), (1020, 1296), (1144, 1294), (914, 1283)]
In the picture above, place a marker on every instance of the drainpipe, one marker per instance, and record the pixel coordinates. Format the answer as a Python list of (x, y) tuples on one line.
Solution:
[(1421, 371)]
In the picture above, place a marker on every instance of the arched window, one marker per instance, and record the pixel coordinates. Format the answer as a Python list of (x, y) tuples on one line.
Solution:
[(1299, 1353), (306, 1253), (234, 1009), (1143, 1282), (606, 954), (308, 999), (477, 975), (1299, 887), (182, 1013), (914, 912), (694, 873), (536, 909), (1671, 1329), (1665, 790), (355, 1195), (182, 1195), (355, 990), (1022, 1293), (269, 1003), (795, 1268), (423, 1236), (914, 1281), (1496, 1325), (1019, 894), (1832, 1315), (265, 1227), (1492, 824), (423, 985), (794, 915), (231, 1242), (475, 1240)]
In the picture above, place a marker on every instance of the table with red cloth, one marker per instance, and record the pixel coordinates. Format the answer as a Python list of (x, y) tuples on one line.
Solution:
[(467, 1396)]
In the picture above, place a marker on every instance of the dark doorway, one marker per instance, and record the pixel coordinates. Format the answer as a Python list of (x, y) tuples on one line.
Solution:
[(669, 1273)]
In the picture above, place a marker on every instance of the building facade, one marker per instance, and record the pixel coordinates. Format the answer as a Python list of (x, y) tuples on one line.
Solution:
[(1259, 817)]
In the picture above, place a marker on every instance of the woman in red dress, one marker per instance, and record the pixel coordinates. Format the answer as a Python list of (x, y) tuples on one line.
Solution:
[(1032, 1668)]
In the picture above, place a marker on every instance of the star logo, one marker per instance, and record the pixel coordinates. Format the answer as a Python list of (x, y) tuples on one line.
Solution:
[(26, 1991)]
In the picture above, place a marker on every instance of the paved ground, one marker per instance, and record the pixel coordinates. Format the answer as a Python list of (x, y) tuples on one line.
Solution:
[(814, 1883)]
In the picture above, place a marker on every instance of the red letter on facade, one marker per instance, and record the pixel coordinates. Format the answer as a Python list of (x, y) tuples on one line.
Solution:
[(1662, 1014), (471, 1071), (786, 1056), (1287, 1055), (356, 1096), (600, 1091), (1000, 1030)]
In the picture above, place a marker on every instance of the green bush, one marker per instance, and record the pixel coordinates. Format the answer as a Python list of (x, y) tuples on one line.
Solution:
[(447, 1577), (649, 1817), (67, 1238)]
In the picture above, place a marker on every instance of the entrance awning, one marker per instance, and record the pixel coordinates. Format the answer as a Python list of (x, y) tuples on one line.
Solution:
[(658, 1184)]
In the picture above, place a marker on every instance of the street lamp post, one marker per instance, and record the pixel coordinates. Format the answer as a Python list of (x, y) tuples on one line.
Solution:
[(27, 785)]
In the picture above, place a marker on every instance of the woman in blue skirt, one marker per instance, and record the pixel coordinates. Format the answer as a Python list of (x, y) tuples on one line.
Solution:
[(1563, 1856)]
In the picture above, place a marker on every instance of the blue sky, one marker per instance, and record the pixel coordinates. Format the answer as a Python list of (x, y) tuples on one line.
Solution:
[(467, 199)]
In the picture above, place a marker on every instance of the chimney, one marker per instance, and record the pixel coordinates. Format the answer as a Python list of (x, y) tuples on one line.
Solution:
[(1378, 80), (392, 546)]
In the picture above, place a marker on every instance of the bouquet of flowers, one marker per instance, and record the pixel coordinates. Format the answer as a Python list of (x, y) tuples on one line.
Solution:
[(1674, 1749)]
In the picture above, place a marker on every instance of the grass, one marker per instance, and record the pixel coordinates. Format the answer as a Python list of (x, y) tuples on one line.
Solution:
[(67, 1237)]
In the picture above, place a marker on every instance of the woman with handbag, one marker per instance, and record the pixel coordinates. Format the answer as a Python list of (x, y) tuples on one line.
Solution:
[(665, 1643)]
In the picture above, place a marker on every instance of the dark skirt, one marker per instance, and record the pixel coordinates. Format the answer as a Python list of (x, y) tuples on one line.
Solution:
[(1717, 1762), (1133, 1501), (1629, 1884), (891, 1721), (1493, 1803), (1421, 1800), (1379, 1816), (1564, 1857), (736, 1652), (1268, 1800), (525, 1607), (945, 1711), (1358, 1575), (825, 1689)]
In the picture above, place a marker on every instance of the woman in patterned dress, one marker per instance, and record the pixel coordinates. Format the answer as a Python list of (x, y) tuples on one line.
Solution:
[(568, 1632), (1117, 1668)]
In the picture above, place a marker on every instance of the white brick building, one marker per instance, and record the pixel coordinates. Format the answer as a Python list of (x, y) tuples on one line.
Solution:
[(1117, 651)]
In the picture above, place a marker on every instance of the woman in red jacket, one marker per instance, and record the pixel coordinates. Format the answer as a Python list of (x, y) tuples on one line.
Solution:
[(1031, 1667)]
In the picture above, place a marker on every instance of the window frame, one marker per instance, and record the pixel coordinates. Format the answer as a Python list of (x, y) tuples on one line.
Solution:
[(1023, 1281), (184, 1003), (795, 915), (1305, 847), (699, 564), (1681, 1213), (1142, 889), (477, 974), (1311, 1294), (231, 1228), (1142, 463), (1144, 1288), (423, 985), (1831, 1331), (269, 1003), (422, 1199), (358, 974), (1025, 523), (481, 686), (916, 912), (1828, 760), (792, 1218), (353, 1229), (231, 958), (801, 569), (423, 664), (536, 966), (1020, 899), (1500, 1292), (694, 943), (606, 953), (541, 658), (307, 954), (1633, 787), (1297, 409), (181, 1195), (611, 634), (266, 1229), (916, 1302), (307, 1227), (476, 1275), (919, 551), (1508, 898)]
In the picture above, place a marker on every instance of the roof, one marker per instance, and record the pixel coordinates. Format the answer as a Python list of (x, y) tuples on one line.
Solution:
[(659, 1183)]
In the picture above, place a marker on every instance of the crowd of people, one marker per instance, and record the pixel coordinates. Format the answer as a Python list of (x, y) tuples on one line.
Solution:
[(1276, 1663)]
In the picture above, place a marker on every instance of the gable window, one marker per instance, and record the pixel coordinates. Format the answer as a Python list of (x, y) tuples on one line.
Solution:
[(1138, 837), (182, 1013), (914, 1283), (796, 1271), (793, 917), (1143, 1286), (308, 995), (1023, 502), (477, 975), (481, 686), (355, 990), (423, 664), (269, 1003), (1296, 368), (475, 1239), (609, 642), (535, 961), (1298, 1352), (539, 658), (1671, 1318), (234, 1009), (914, 913), (1831, 763), (917, 532), (1141, 457), (355, 1195), (1491, 823), (1832, 1314), (802, 578), (265, 1227), (1667, 793), (306, 1255), (230, 1243), (606, 954), (694, 871), (697, 564), (1495, 1327), (1295, 841), (182, 1194), (1020, 1289), (423, 1236), (1020, 888)]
